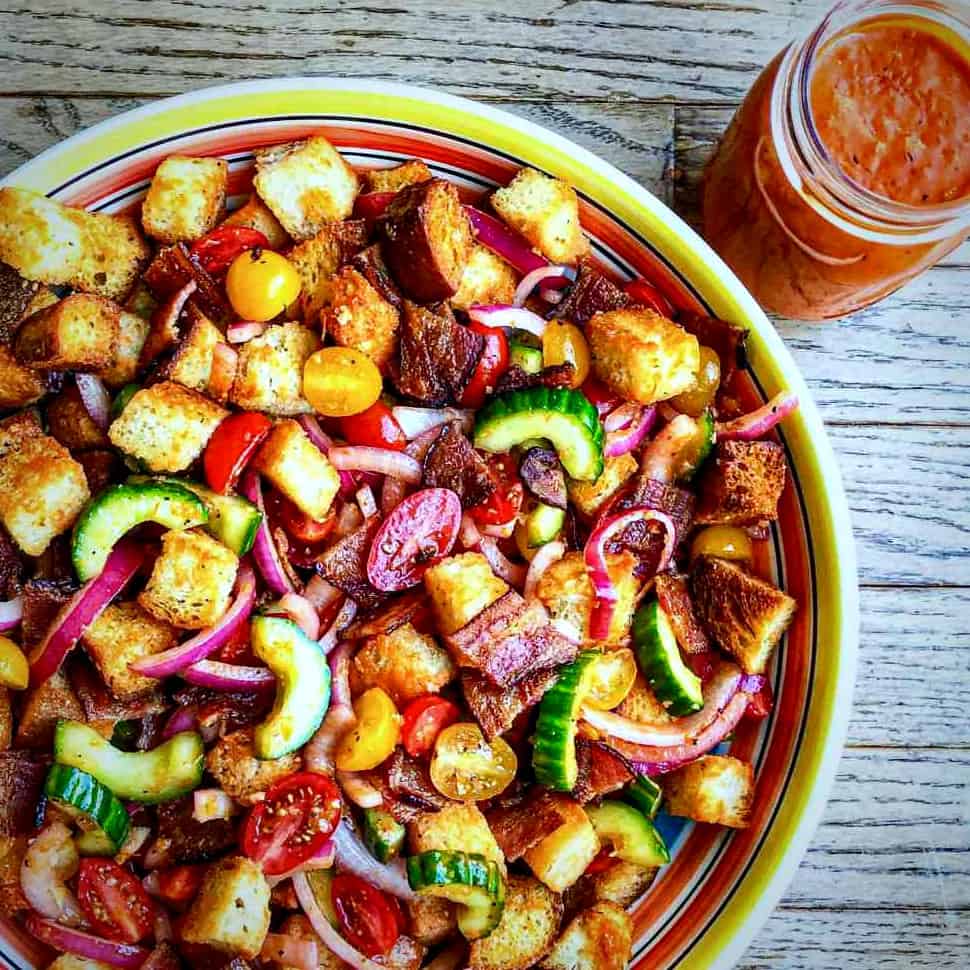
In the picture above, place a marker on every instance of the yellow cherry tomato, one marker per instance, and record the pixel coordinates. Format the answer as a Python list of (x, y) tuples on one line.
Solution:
[(611, 679), (467, 767), (14, 669), (261, 284), (707, 379), (340, 381), (564, 343), (724, 542), (375, 735)]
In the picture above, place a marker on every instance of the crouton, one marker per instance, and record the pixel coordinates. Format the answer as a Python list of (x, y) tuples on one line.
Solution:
[(19, 385), (231, 912), (744, 615), (394, 179), (166, 426), (487, 279), (254, 214), (432, 919), (38, 237), (123, 368), (589, 498), (741, 484), (186, 198), (42, 488), (317, 261), (299, 469), (458, 827), (305, 184), (404, 663), (562, 857), (269, 375), (79, 333), (70, 423), (622, 883), (191, 364), (113, 254), (566, 591), (6, 720), (16, 294), (599, 938), (546, 211), (123, 633), (359, 317), (715, 788), (641, 704), (42, 707), (529, 924), (13, 848), (141, 301), (299, 926), (641, 355), (67, 961), (233, 763), (191, 581), (461, 587)]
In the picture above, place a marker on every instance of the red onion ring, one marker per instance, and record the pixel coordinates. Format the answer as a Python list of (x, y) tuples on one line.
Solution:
[(757, 424), (622, 416), (503, 315), (241, 331), (358, 789), (533, 278), (415, 421), (393, 493), (94, 397), (11, 613), (383, 461), (182, 719), (657, 460), (265, 553), (323, 441), (507, 243), (301, 611), (353, 856), (548, 554), (321, 593), (513, 573), (222, 676), (503, 530), (468, 534), (124, 955), (341, 621), (629, 438)]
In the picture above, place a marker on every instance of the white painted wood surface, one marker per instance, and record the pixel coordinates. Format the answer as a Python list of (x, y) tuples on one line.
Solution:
[(648, 86)]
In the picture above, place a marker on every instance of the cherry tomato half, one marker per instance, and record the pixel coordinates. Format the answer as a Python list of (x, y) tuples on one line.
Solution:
[(230, 448), (760, 704), (376, 427), (340, 381), (424, 719), (603, 861), (646, 294), (370, 920), (180, 884), (493, 363), (466, 766), (564, 343), (418, 533), (261, 284), (291, 824), (217, 249), (114, 901), (296, 523), (504, 503), (599, 395)]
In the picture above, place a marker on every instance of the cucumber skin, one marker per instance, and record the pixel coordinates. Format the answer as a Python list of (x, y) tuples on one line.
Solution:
[(528, 358), (677, 687), (645, 795), (542, 524), (705, 427), (83, 793), (633, 835), (383, 834)]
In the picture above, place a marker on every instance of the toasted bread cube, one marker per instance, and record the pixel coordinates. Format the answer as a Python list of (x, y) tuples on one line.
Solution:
[(79, 333), (299, 469), (186, 198), (317, 260), (12, 851), (546, 211), (231, 912), (745, 616), (166, 426), (404, 663), (590, 497), (67, 961), (487, 279), (19, 385), (432, 919), (16, 295), (123, 368), (191, 581), (191, 365), (233, 763), (123, 633), (566, 591), (269, 375), (641, 355), (741, 484), (599, 938), (42, 488), (458, 827), (359, 317), (461, 587), (254, 214), (393, 179), (6, 720), (43, 707), (299, 926), (562, 857), (70, 423), (529, 924), (305, 184), (641, 704), (38, 237), (623, 884), (113, 254), (716, 788)]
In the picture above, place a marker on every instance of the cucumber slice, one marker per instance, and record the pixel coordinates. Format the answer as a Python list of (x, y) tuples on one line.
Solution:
[(562, 415), (696, 449), (166, 772), (94, 842), (645, 795), (302, 685), (383, 834), (632, 835), (554, 751), (82, 796), (677, 687), (321, 881), (122, 398), (119, 508), (542, 524), (466, 878), (528, 358)]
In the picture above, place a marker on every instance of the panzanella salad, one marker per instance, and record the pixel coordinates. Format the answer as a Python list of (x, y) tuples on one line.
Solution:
[(373, 568)]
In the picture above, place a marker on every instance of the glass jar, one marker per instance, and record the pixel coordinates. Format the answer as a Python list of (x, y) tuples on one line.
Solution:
[(809, 239)]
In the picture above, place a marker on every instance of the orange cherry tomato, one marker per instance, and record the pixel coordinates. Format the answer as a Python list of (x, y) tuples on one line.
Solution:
[(261, 284), (340, 381)]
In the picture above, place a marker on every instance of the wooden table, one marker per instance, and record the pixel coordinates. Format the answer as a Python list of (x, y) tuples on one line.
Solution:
[(649, 86)]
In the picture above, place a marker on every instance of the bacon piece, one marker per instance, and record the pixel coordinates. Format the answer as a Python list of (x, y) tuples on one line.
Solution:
[(172, 268), (99, 468), (43, 599), (452, 462), (407, 789), (21, 781), (602, 770), (516, 379), (673, 593), (163, 328), (542, 474), (592, 293), (517, 828), (345, 565), (15, 296), (496, 708), (11, 567), (370, 264), (182, 840), (97, 701), (411, 607), (163, 957)]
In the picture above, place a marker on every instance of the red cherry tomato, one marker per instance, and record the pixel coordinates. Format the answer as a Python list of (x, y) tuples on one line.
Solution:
[(294, 522), (180, 884), (114, 901), (701, 663), (424, 719), (371, 205), (418, 533), (370, 920), (646, 294), (603, 860), (230, 448), (216, 250), (493, 363), (376, 427), (504, 503), (761, 704), (599, 395), (291, 824)]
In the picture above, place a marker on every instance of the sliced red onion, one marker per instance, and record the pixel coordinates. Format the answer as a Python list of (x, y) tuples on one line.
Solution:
[(507, 243), (595, 556), (340, 674), (353, 856), (341, 621), (319, 752), (315, 433), (629, 438), (223, 371), (290, 951), (321, 593), (503, 315), (152, 885), (502, 530), (348, 519), (513, 573), (212, 803), (207, 641), (660, 456), (393, 493), (532, 279), (546, 555), (323, 858), (622, 417), (241, 331), (125, 955), (182, 719), (265, 553), (83, 608), (757, 424), (366, 501), (415, 421), (300, 610), (95, 398), (380, 460), (359, 790), (753, 683), (137, 836), (11, 613), (468, 534), (223, 676)]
